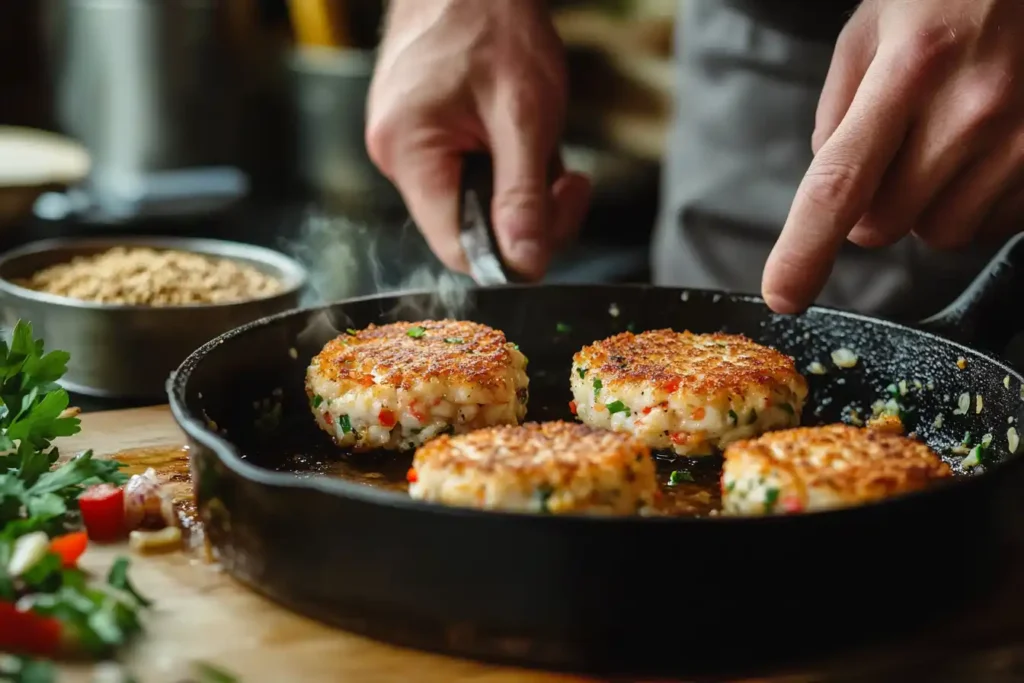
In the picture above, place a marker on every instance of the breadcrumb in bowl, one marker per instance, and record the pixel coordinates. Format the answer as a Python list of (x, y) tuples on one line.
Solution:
[(397, 386), (551, 467), (689, 393)]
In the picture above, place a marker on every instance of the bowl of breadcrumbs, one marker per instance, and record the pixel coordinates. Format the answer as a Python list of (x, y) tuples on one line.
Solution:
[(129, 310)]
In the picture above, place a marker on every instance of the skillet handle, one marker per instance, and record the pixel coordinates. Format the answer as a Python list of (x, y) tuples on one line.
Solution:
[(990, 312)]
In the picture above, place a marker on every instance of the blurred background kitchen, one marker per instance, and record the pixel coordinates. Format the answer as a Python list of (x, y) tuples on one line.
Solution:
[(243, 120)]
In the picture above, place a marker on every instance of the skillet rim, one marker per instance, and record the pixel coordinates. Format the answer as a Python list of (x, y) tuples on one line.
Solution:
[(230, 456)]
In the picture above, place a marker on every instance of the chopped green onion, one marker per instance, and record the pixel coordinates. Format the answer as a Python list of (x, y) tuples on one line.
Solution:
[(352, 331), (582, 372), (454, 340), (562, 328), (597, 386), (346, 424), (678, 477), (416, 332), (317, 400), (771, 496), (617, 407)]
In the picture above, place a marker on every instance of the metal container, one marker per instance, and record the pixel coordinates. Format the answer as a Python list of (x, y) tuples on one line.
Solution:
[(329, 91), (129, 351), (147, 87)]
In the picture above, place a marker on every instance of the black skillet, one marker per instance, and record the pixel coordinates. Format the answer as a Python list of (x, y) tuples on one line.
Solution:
[(668, 596)]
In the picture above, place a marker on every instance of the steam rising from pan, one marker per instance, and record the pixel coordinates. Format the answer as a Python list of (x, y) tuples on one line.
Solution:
[(346, 259)]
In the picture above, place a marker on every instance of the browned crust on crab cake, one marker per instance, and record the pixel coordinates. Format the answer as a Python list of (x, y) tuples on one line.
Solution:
[(455, 350), (554, 467), (707, 364), (813, 468)]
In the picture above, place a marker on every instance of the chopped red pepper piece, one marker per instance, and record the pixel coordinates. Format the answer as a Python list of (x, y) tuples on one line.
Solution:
[(328, 418), (572, 407), (28, 633), (648, 409), (417, 413), (70, 547), (792, 504), (386, 418), (680, 438), (411, 476), (102, 509), (672, 384)]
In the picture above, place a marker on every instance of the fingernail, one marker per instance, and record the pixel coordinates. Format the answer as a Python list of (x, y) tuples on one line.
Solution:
[(527, 256), (782, 304)]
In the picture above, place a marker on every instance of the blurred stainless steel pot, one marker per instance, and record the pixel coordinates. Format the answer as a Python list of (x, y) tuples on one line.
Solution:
[(129, 351), (329, 90)]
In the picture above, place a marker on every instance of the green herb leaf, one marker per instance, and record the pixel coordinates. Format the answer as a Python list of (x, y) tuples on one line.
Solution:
[(597, 386), (678, 477), (208, 673), (582, 372), (562, 328), (617, 407), (118, 578), (416, 332), (346, 424), (317, 400)]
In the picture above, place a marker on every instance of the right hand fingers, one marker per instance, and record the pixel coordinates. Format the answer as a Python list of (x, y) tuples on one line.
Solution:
[(839, 186), (523, 138)]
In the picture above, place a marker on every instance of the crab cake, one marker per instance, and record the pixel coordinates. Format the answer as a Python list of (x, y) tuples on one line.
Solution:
[(397, 386), (551, 467), (817, 468), (691, 393)]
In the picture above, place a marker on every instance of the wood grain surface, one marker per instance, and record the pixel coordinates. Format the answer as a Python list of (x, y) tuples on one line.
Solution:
[(201, 614)]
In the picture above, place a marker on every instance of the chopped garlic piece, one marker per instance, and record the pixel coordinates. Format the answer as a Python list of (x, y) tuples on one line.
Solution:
[(613, 310), (963, 404), (1012, 440), (844, 358), (816, 368), (986, 440), (903, 387), (973, 458), (938, 421), (164, 540), (961, 362), (28, 550), (978, 404), (1006, 381)]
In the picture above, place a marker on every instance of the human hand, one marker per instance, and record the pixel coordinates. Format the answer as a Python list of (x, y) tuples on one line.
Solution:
[(920, 128), (455, 76)]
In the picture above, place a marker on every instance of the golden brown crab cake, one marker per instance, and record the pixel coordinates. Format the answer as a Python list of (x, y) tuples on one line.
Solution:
[(818, 468), (550, 467), (397, 386), (691, 393)]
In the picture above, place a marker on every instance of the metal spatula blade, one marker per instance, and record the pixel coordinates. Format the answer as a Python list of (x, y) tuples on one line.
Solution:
[(476, 234)]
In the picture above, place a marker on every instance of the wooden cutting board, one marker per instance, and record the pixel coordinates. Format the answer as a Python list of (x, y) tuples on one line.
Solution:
[(201, 614)]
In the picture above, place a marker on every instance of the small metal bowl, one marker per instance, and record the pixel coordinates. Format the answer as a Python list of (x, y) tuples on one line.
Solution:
[(129, 351)]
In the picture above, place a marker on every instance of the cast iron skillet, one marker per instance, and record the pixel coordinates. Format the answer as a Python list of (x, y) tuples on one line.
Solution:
[(635, 596)]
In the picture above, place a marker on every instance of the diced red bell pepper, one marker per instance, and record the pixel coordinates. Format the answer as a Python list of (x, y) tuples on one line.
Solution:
[(572, 407), (411, 476), (386, 418), (28, 633), (102, 509), (70, 547)]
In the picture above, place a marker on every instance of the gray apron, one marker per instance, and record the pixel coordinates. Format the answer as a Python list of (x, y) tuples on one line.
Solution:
[(746, 95)]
